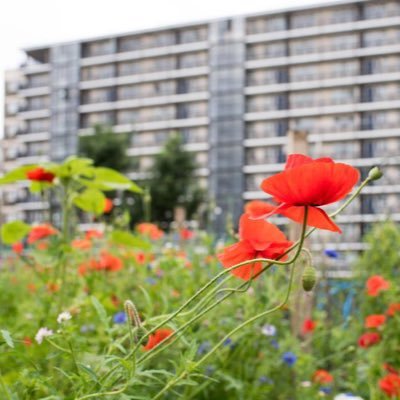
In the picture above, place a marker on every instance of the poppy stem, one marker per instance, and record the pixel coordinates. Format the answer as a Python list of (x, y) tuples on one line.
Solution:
[(227, 336)]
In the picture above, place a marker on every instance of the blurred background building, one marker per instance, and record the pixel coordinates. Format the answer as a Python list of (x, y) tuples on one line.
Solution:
[(232, 88)]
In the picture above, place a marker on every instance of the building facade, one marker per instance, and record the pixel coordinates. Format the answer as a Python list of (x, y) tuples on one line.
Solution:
[(232, 88)]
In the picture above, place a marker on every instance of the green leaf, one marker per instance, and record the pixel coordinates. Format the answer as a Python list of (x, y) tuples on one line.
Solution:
[(17, 174), (14, 231), (101, 311), (90, 200), (127, 239), (7, 338), (115, 180)]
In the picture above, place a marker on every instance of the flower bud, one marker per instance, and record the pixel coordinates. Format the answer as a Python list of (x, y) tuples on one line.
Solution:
[(375, 173), (309, 278)]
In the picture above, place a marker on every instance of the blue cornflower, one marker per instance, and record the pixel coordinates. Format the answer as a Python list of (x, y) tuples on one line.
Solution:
[(325, 389), (228, 343), (151, 281), (289, 358), (275, 344), (119, 317), (331, 253), (265, 380), (204, 348)]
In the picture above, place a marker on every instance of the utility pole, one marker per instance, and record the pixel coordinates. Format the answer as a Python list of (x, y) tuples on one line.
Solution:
[(302, 301)]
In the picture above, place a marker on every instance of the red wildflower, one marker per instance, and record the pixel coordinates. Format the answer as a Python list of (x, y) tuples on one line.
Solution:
[(374, 321), (186, 234), (31, 287), (39, 174), (93, 234), (258, 239), (52, 287), (27, 341), (108, 205), (369, 339), (109, 262), (256, 208), (17, 248), (150, 230), (81, 244), (312, 183), (157, 337), (390, 385), (375, 284), (90, 265), (39, 232), (322, 376), (308, 326), (393, 309)]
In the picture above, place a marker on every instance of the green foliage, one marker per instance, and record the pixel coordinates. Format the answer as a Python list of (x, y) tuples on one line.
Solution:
[(382, 254), (14, 231), (173, 182), (106, 148)]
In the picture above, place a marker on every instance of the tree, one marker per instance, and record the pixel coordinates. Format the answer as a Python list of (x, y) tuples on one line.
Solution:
[(106, 148), (173, 182)]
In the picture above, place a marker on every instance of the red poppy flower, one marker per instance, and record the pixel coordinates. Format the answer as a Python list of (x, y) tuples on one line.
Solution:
[(52, 287), (39, 174), (308, 326), (93, 234), (150, 230), (109, 262), (322, 376), (312, 183), (108, 205), (27, 341), (39, 232), (374, 321), (258, 239), (157, 337), (186, 234), (369, 339), (257, 208), (17, 248), (390, 385), (81, 244), (393, 309), (375, 284)]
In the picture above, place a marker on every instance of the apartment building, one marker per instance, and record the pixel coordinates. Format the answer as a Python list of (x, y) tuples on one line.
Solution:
[(232, 88)]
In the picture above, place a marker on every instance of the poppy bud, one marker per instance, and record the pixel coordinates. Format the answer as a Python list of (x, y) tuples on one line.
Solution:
[(309, 278), (374, 174)]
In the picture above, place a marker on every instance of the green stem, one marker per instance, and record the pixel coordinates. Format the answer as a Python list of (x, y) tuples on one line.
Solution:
[(230, 334)]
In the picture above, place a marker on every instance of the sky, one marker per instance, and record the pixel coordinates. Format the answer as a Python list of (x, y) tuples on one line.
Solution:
[(25, 23)]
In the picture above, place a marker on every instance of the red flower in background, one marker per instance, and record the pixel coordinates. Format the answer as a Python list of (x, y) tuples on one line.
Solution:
[(39, 174), (17, 248), (374, 321), (369, 339), (390, 385), (312, 183), (27, 341), (186, 234), (322, 376), (109, 262), (393, 309), (308, 326), (93, 234), (376, 284), (258, 239), (81, 244), (39, 232), (157, 337), (108, 205), (150, 230)]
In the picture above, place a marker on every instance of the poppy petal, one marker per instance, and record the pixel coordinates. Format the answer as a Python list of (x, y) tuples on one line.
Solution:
[(296, 160), (236, 254), (316, 217), (259, 233), (258, 209), (316, 183)]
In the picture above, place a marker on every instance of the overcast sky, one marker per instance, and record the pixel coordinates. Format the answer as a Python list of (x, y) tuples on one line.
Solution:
[(34, 22)]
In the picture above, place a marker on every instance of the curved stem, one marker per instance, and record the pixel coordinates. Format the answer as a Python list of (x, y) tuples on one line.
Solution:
[(227, 336)]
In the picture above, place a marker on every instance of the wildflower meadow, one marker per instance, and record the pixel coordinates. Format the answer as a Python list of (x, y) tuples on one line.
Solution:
[(102, 310)]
